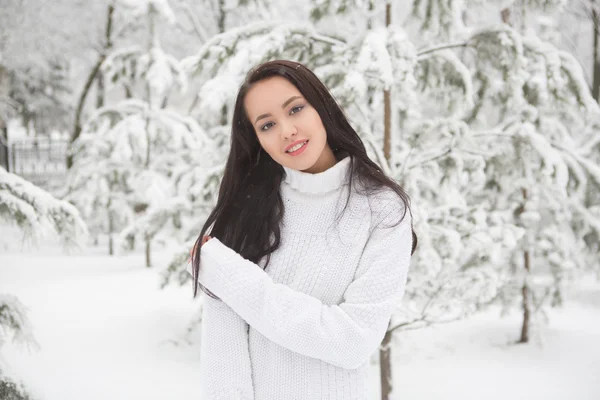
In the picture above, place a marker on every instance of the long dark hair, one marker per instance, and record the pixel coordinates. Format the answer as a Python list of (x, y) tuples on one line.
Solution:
[(249, 207)]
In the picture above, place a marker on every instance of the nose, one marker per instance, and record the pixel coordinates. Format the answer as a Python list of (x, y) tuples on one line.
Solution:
[(288, 129)]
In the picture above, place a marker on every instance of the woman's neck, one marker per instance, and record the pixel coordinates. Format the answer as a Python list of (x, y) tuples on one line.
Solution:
[(326, 160), (321, 182)]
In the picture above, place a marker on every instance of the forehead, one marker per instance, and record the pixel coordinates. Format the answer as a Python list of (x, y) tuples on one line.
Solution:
[(269, 95)]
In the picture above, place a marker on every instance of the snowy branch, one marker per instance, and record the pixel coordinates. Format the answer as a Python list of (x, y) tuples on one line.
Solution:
[(14, 322), (33, 210), (441, 47)]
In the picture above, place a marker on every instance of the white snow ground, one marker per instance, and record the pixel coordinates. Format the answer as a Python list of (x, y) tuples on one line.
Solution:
[(106, 331)]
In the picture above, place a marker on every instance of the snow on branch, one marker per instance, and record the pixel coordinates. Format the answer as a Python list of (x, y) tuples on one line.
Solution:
[(14, 324), (161, 71), (273, 38), (442, 72), (439, 18), (35, 211)]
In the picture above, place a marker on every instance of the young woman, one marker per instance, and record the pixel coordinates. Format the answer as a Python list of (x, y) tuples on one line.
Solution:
[(309, 250)]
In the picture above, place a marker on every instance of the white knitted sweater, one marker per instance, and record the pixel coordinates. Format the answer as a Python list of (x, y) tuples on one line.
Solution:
[(306, 327)]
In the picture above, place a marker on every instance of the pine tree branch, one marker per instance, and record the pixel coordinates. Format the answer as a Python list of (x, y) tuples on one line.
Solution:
[(442, 47), (327, 39), (422, 162), (491, 133)]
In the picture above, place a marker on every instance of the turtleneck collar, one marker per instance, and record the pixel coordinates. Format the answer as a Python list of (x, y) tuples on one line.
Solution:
[(322, 182)]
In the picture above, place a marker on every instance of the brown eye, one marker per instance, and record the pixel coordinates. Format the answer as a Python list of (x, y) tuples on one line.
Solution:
[(266, 126)]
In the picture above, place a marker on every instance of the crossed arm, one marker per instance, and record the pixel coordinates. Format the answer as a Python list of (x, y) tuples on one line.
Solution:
[(345, 335)]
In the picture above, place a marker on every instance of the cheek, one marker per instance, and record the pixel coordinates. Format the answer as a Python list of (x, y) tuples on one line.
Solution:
[(270, 145), (315, 121)]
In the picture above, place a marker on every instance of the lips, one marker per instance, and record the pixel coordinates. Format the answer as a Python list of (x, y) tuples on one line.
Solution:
[(294, 144), (298, 151), (299, 148)]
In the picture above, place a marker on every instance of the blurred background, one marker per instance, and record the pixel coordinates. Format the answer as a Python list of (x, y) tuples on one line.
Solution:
[(115, 118)]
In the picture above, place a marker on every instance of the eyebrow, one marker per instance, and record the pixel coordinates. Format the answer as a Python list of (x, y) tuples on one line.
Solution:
[(288, 101)]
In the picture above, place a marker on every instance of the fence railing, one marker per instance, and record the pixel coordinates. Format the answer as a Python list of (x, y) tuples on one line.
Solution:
[(40, 160)]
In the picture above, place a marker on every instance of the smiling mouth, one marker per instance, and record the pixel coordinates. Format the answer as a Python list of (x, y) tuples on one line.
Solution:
[(302, 145)]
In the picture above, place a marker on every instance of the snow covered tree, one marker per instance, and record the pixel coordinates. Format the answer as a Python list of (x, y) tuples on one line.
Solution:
[(535, 103), (41, 94), (532, 96), (150, 77), (33, 212), (128, 152), (99, 185), (42, 61), (447, 99)]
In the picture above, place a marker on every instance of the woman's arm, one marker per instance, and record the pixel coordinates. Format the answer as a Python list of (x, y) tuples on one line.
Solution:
[(226, 372), (345, 335)]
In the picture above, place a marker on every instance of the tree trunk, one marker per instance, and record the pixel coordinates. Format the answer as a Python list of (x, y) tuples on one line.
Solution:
[(28, 122), (110, 230), (4, 145), (14, 159), (4, 92), (128, 91), (100, 90), (148, 261), (525, 292), (88, 84), (221, 23), (505, 15), (370, 18), (387, 103), (596, 32), (222, 15), (523, 16), (526, 306), (77, 128), (387, 125), (385, 366), (110, 244)]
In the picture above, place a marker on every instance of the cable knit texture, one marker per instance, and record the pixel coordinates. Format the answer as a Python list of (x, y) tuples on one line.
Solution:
[(306, 327)]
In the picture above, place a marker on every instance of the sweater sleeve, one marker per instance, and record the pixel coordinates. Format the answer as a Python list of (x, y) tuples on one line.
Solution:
[(226, 372), (345, 335)]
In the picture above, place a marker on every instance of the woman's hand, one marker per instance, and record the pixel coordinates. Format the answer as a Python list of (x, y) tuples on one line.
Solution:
[(205, 239)]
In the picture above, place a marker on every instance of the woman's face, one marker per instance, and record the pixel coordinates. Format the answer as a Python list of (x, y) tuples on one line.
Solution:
[(281, 116)]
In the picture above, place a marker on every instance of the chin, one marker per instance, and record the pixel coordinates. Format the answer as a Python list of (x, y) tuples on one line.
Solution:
[(302, 166)]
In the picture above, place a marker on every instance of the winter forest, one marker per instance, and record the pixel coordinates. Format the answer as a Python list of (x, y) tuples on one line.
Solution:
[(485, 111)]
